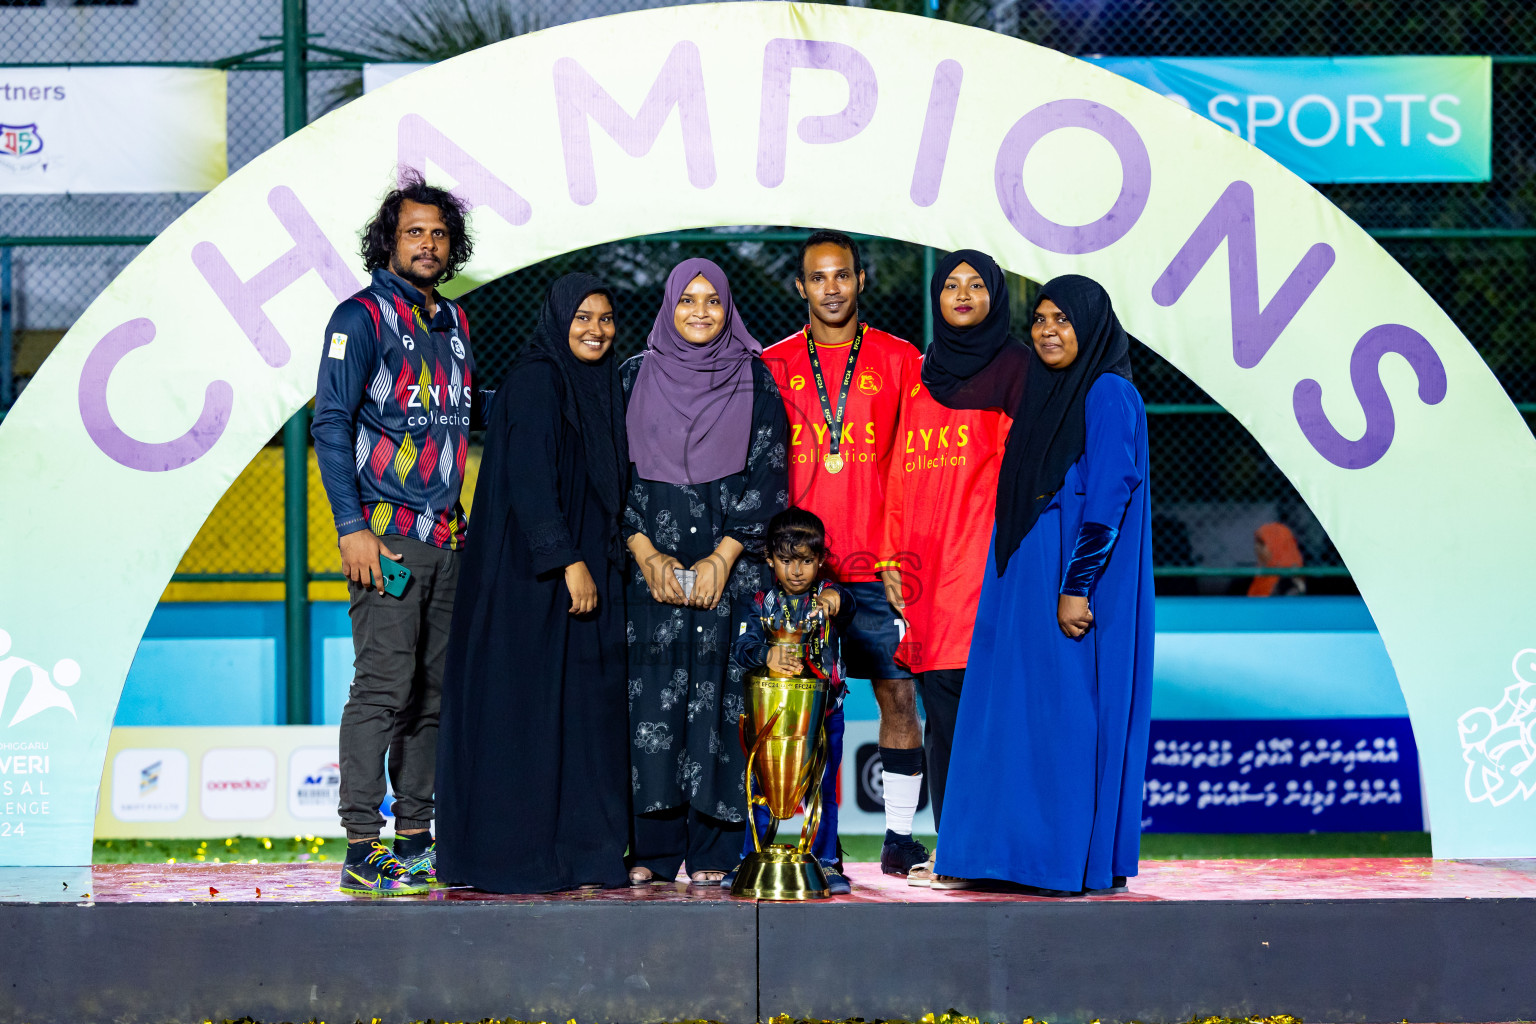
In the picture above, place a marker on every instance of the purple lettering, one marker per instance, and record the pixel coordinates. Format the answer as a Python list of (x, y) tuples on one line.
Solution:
[(1255, 328), (943, 99), (244, 299), (1364, 375), (680, 84), (1135, 176), (419, 142), (780, 58), (145, 456)]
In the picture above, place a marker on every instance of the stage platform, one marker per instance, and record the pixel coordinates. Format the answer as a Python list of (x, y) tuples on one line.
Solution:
[(1324, 940)]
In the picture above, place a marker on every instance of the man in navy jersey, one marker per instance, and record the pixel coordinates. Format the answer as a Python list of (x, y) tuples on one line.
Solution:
[(391, 430)]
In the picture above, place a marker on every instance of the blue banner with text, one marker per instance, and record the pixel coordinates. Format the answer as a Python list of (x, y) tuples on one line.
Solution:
[(1295, 775), (1340, 118)]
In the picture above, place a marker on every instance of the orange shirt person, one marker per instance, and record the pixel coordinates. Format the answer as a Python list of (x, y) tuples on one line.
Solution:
[(843, 383), (1274, 545), (939, 504)]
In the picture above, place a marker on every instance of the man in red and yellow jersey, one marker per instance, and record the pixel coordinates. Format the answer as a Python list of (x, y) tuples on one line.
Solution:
[(842, 383), (939, 503)]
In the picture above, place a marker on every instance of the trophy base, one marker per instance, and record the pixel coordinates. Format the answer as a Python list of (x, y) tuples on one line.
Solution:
[(780, 873)]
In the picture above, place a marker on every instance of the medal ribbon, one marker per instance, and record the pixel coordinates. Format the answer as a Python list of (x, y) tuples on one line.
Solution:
[(836, 427)]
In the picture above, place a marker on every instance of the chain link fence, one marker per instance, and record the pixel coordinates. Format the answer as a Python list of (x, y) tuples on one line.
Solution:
[(1471, 245)]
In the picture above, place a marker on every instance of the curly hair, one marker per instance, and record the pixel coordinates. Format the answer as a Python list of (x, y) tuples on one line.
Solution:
[(796, 529), (379, 235)]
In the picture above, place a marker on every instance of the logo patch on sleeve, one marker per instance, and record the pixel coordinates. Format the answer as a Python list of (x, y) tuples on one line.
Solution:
[(338, 348)]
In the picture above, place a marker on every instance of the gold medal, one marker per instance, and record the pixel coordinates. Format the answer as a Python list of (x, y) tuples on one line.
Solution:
[(833, 461)]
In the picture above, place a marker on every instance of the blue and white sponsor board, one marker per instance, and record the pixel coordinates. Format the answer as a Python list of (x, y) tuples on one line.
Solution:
[(1333, 119)]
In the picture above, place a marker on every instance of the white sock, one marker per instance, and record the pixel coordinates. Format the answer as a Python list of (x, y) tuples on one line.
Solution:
[(901, 793)]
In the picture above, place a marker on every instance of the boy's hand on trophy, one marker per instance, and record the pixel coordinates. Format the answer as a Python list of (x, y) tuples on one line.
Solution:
[(1073, 615), (782, 663), (578, 580), (829, 601)]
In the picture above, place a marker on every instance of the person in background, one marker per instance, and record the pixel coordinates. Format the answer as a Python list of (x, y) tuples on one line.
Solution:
[(533, 774), (1274, 545), (706, 441), (842, 382), (938, 522), (797, 547), (1050, 745), (391, 430)]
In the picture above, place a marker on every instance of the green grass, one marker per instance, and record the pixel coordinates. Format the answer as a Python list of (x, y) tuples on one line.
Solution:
[(235, 849), (1154, 846), (1177, 846)]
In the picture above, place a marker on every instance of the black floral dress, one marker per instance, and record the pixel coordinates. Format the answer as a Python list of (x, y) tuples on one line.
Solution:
[(685, 695)]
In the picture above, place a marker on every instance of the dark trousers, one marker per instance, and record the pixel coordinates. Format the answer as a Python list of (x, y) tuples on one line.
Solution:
[(666, 839), (397, 688), (941, 703), (825, 846)]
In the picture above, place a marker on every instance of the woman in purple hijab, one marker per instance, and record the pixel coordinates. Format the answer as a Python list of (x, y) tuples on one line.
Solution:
[(706, 439)]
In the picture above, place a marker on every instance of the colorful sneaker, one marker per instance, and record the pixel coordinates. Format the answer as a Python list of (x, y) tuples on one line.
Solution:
[(423, 867), (901, 854), (379, 874)]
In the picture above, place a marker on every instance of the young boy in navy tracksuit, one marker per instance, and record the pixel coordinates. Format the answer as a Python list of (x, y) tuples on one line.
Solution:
[(797, 547)]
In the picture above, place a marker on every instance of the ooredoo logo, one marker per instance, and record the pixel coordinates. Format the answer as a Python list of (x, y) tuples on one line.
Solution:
[(239, 784), (870, 382)]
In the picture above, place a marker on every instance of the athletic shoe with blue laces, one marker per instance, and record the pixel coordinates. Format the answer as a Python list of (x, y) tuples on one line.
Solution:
[(422, 867), (379, 874)]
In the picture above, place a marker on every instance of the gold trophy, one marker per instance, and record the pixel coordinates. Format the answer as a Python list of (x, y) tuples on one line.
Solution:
[(786, 743)]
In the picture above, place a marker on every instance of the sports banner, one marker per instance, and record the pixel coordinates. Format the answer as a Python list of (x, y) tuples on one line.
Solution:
[(194, 781), (1271, 299), (111, 129), (1335, 119)]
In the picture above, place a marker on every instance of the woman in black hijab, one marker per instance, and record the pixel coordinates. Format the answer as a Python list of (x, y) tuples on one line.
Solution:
[(1050, 742), (532, 762)]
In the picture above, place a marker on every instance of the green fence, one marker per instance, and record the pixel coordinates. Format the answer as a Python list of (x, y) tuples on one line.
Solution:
[(1472, 246)]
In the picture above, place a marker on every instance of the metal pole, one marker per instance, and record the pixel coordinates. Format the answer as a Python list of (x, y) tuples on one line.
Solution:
[(930, 260), (7, 382), (930, 10), (296, 430)]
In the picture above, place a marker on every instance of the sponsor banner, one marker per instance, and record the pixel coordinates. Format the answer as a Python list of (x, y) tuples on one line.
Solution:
[(180, 782), (1333, 119), (111, 129), (1297, 775)]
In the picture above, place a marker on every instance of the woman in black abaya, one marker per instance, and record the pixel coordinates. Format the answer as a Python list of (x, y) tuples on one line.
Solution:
[(532, 757)]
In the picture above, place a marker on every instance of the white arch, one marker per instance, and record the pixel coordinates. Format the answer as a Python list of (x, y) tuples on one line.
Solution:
[(1284, 311)]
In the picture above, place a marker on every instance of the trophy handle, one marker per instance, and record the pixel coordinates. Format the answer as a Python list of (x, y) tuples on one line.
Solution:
[(818, 767), (763, 735)]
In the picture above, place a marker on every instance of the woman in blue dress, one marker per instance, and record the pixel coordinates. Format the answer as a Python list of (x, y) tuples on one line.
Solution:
[(1051, 739)]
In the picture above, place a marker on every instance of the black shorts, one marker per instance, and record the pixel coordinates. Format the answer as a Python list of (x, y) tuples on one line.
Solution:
[(869, 645)]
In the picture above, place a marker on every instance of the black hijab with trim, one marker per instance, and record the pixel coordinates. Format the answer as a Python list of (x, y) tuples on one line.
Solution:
[(963, 352), (594, 398), (1049, 430)]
